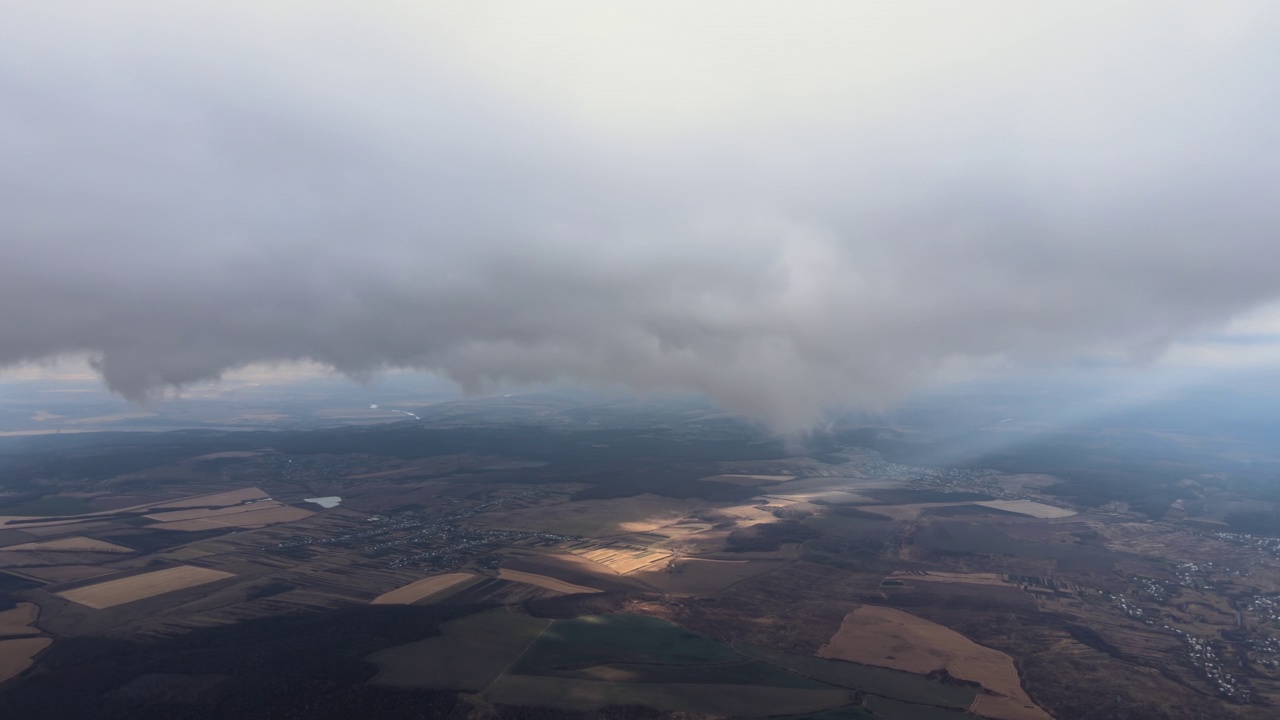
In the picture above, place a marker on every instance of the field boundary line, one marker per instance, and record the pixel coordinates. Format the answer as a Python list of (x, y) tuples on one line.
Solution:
[(784, 563), (516, 659)]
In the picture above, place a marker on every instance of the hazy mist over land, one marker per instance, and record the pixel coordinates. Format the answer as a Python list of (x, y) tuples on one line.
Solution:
[(785, 208)]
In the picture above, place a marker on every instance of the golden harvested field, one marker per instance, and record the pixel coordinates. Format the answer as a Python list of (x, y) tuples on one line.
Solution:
[(597, 518), (572, 569), (17, 655), (542, 581), (891, 638), (136, 587), (623, 559), (423, 588), (259, 515), (70, 544), (749, 480), (1029, 507), (20, 620)]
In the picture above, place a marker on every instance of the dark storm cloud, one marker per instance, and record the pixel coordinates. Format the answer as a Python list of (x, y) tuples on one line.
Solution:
[(182, 198)]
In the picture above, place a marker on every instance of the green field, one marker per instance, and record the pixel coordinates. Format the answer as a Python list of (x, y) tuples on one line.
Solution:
[(884, 682), (602, 639), (898, 710), (956, 538), (591, 662), (470, 653), (848, 712), (739, 673), (709, 699)]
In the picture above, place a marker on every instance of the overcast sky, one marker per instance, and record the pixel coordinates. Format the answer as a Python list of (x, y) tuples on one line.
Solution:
[(785, 206)]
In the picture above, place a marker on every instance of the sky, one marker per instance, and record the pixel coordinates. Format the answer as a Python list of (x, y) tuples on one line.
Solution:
[(791, 208)]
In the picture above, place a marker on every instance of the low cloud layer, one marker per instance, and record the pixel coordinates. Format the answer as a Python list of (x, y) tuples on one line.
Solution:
[(823, 207)]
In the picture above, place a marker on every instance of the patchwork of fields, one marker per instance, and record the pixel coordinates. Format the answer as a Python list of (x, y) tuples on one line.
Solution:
[(891, 638), (786, 587), (591, 662)]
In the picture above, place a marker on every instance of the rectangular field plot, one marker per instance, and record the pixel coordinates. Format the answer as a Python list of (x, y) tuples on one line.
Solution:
[(70, 544), (136, 587), (423, 588), (542, 581), (622, 558), (257, 515)]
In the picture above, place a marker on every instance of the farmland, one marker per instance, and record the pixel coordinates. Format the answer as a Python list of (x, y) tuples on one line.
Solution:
[(598, 518), (749, 480), (424, 588), (598, 639), (19, 620), (515, 571), (704, 576), (469, 654), (543, 581), (880, 682), (1028, 507), (708, 698), (16, 655), (18, 642), (609, 659), (891, 638), (69, 544), (136, 587), (621, 558)]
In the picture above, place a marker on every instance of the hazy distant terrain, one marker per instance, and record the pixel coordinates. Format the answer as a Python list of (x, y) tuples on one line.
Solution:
[(573, 556)]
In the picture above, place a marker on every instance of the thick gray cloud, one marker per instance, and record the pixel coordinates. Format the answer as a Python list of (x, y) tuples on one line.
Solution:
[(182, 194)]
